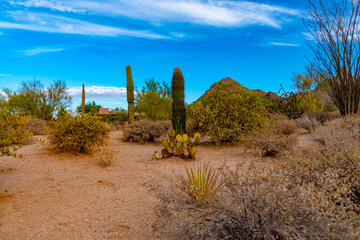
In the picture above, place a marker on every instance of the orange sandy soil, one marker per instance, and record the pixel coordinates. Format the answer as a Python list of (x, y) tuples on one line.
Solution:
[(48, 195)]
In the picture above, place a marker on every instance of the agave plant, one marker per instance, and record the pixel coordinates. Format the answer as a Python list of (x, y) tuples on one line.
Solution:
[(201, 183)]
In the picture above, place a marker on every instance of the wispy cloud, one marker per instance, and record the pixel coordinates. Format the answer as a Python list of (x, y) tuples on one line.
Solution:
[(98, 92), (57, 24), (53, 5), (283, 44), (39, 50), (202, 12), (5, 75)]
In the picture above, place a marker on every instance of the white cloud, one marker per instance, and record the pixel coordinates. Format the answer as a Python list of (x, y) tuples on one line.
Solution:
[(284, 44), (56, 24), (39, 50), (5, 75), (98, 92), (203, 12), (53, 5)]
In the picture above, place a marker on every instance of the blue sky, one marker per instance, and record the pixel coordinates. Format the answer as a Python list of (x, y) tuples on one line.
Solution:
[(259, 43)]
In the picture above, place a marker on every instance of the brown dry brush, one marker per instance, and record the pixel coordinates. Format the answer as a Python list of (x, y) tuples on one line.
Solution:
[(309, 194), (143, 131)]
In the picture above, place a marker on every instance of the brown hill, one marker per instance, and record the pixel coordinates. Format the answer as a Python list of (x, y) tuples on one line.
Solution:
[(235, 85)]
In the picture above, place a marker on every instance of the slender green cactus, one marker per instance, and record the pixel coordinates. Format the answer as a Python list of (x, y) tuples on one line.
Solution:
[(83, 100), (94, 108), (130, 94), (179, 113)]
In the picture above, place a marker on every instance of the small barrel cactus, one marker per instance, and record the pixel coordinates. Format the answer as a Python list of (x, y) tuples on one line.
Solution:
[(179, 112), (130, 95)]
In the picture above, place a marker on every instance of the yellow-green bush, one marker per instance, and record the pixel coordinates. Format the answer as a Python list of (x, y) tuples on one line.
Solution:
[(77, 133), (225, 115), (12, 132)]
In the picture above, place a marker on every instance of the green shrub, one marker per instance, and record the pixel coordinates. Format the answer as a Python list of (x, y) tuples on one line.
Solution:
[(77, 133), (145, 131), (12, 132), (226, 116)]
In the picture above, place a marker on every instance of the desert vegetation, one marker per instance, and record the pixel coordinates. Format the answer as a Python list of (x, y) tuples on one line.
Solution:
[(235, 164)]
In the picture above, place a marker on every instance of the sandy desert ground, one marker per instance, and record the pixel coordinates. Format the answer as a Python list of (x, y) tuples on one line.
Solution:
[(48, 195)]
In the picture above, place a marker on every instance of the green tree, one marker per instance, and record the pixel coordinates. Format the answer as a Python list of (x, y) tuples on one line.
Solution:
[(33, 99), (89, 107), (154, 101), (310, 88)]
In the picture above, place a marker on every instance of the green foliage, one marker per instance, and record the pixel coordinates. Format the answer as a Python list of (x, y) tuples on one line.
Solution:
[(179, 112), (13, 132), (33, 99), (89, 108), (154, 101), (178, 145), (311, 91), (227, 116), (77, 133), (201, 183), (130, 94)]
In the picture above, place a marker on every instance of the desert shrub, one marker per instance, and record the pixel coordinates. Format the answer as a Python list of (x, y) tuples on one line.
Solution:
[(201, 183), (77, 133), (143, 131), (322, 117), (308, 123), (105, 158), (274, 138), (36, 126), (226, 116), (13, 133), (313, 194)]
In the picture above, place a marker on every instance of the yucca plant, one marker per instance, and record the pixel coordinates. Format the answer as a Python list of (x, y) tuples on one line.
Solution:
[(201, 183)]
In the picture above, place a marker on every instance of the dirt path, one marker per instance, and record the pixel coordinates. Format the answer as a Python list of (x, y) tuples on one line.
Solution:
[(64, 196)]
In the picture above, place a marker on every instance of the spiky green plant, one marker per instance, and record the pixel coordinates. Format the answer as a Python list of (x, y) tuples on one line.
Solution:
[(83, 100), (179, 112), (201, 183), (130, 94)]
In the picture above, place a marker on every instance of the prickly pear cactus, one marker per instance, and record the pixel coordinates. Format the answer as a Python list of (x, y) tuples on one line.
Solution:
[(178, 145)]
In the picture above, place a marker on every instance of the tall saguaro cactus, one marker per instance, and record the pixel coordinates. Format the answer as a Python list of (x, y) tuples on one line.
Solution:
[(179, 113), (130, 94), (83, 100)]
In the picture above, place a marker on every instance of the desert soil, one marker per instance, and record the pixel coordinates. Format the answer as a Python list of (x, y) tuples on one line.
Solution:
[(48, 195)]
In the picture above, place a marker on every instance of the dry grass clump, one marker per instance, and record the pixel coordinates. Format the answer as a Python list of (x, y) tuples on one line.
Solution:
[(36, 126), (273, 139), (308, 123), (105, 158), (146, 131), (313, 194), (322, 117)]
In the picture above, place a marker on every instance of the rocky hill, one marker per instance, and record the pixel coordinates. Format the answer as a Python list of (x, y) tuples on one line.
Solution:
[(235, 85)]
